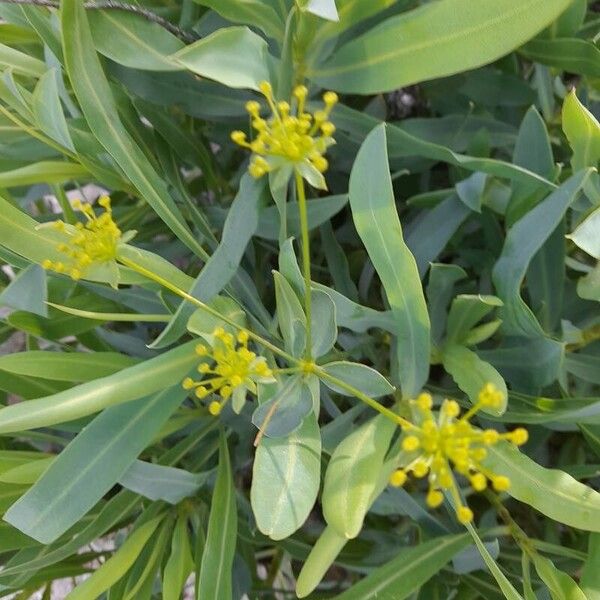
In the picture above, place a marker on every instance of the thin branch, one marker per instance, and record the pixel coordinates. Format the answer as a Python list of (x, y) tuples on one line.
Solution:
[(186, 36)]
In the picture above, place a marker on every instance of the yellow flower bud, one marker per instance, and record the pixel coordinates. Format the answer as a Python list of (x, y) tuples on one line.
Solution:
[(434, 498), (214, 408), (519, 436), (398, 478), (501, 483), (464, 515), (410, 443)]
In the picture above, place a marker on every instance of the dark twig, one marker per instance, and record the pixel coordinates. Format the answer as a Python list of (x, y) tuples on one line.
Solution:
[(186, 36)]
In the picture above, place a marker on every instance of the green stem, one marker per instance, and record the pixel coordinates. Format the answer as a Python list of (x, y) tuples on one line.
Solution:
[(305, 262), (305, 366)]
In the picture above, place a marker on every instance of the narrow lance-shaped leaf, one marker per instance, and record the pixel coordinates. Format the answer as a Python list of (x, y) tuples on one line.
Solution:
[(215, 580), (376, 219), (98, 105), (90, 465)]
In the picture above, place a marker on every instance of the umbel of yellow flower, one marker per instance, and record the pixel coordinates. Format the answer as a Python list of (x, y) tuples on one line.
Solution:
[(437, 447), (87, 244), (291, 136), (234, 371)]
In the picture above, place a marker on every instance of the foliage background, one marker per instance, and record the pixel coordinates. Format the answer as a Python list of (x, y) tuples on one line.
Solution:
[(490, 273)]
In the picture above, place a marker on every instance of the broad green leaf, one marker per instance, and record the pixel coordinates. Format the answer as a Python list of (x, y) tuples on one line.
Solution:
[(353, 474), (286, 410), (320, 559), (405, 574), (134, 382), (99, 107), (90, 465), (583, 132), (503, 583), (28, 291), (567, 54), (584, 366), (586, 234), (220, 268), (588, 287), (376, 220), (471, 374), (233, 56), (117, 565), (217, 558), (367, 380), (286, 479), (561, 586), (133, 41), (48, 110), (523, 241), (590, 574), (435, 40), (159, 482), (180, 563), (65, 366), (249, 12), (552, 492)]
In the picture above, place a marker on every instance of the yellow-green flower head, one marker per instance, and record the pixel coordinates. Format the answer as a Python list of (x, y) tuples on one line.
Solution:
[(91, 243), (437, 447), (290, 136), (229, 369)]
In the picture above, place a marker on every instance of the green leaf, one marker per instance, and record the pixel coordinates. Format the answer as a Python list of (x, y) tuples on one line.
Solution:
[(435, 40), (353, 474), (290, 315), (65, 366), (99, 107), (27, 291), (134, 382), (584, 366), (471, 373), (590, 574), (320, 559), (90, 465), (465, 312), (117, 565), (561, 586), (180, 563), (503, 583), (552, 492), (586, 234), (367, 380), (249, 12), (233, 56), (221, 267), (583, 132), (215, 578), (325, 9), (407, 572), (523, 241), (43, 172), (48, 110), (568, 54), (376, 220), (158, 482), (324, 326), (133, 41), (20, 62), (286, 410), (286, 479)]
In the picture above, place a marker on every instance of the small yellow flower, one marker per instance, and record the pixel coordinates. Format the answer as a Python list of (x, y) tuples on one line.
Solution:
[(91, 243), (290, 136), (234, 371), (438, 447)]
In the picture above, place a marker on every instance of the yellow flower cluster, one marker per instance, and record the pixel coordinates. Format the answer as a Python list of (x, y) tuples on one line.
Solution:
[(291, 135), (437, 447), (236, 369), (91, 243)]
